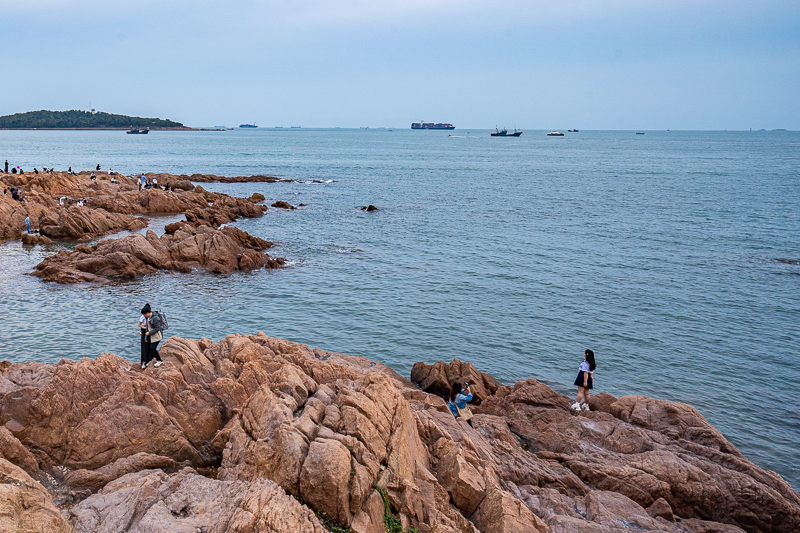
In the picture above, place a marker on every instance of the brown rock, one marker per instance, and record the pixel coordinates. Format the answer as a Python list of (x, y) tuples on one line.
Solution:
[(325, 479), (12, 450), (439, 378), (661, 509), (459, 474), (500, 512), (93, 480), (283, 205), (25, 505), (185, 501), (31, 238), (217, 251)]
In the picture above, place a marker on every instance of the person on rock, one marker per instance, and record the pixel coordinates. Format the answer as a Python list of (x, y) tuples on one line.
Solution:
[(584, 381), (98, 167), (145, 340), (459, 396), (154, 337), (28, 224)]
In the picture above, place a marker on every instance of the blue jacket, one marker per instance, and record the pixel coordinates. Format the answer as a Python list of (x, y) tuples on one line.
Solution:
[(461, 401)]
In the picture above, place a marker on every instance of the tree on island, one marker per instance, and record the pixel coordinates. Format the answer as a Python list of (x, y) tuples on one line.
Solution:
[(80, 119)]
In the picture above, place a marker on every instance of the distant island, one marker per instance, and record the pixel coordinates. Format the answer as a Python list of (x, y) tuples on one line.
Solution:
[(83, 120)]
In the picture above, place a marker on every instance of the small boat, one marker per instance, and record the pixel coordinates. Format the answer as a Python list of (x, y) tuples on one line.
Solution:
[(253, 125), (639, 133), (138, 131), (573, 131), (555, 134)]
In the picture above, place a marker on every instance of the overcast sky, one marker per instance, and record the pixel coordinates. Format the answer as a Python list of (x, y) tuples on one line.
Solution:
[(613, 64)]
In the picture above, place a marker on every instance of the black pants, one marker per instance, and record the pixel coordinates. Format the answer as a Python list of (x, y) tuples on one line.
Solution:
[(145, 348), (153, 354)]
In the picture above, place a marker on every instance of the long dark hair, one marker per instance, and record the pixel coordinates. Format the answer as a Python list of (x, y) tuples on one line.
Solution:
[(455, 390), (590, 359), (146, 309)]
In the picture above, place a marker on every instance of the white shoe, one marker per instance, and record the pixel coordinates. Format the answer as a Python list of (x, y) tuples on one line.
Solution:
[(159, 363), (144, 366), (576, 406), (586, 407)]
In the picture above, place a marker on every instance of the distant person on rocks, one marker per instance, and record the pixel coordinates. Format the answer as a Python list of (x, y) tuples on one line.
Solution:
[(584, 381), (14, 170), (459, 396), (154, 336), (92, 177), (28, 224), (35, 171), (98, 166), (143, 182), (6, 166), (61, 200)]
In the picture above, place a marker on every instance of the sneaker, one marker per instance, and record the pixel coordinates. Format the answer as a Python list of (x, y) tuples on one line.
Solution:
[(144, 366), (159, 363), (586, 407), (576, 406)]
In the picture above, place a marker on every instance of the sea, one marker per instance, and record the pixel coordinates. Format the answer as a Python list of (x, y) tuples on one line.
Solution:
[(673, 255)]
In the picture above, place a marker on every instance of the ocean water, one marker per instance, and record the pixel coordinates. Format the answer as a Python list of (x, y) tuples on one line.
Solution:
[(673, 255)]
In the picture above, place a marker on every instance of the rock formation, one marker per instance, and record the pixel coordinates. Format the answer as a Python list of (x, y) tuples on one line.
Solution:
[(200, 241), (260, 434)]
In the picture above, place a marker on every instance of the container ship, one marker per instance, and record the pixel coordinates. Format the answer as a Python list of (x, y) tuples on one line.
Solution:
[(431, 126), (253, 125)]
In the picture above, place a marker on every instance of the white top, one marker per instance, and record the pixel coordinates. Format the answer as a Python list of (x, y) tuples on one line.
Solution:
[(585, 368), (143, 321)]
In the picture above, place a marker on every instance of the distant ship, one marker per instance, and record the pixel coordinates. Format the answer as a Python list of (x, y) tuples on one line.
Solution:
[(253, 125), (555, 134), (138, 131), (431, 126), (504, 133)]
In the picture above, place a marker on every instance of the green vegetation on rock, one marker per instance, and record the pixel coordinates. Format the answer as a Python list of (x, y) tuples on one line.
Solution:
[(80, 119)]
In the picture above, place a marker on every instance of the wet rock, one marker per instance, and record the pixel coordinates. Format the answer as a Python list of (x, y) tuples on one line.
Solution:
[(369, 208), (283, 205), (31, 238)]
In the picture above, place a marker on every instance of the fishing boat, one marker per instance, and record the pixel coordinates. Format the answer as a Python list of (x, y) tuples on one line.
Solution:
[(555, 134), (138, 131), (639, 133), (573, 131), (504, 133)]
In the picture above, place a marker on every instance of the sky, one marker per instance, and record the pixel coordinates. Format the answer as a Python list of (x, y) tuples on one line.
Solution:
[(559, 64)]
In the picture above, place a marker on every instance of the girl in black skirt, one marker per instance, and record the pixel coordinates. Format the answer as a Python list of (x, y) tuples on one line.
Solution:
[(584, 381)]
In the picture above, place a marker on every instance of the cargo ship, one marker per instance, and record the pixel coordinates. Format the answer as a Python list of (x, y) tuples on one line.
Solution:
[(431, 126), (253, 125)]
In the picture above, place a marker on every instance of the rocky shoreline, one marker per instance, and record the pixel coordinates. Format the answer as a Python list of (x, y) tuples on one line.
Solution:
[(254, 433), (86, 205)]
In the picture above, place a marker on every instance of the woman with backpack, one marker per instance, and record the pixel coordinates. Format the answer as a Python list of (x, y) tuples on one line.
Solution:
[(145, 340), (584, 381), (154, 335)]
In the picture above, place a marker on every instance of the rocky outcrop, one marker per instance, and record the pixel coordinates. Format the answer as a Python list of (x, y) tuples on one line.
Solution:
[(260, 434), (218, 251), (199, 242)]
